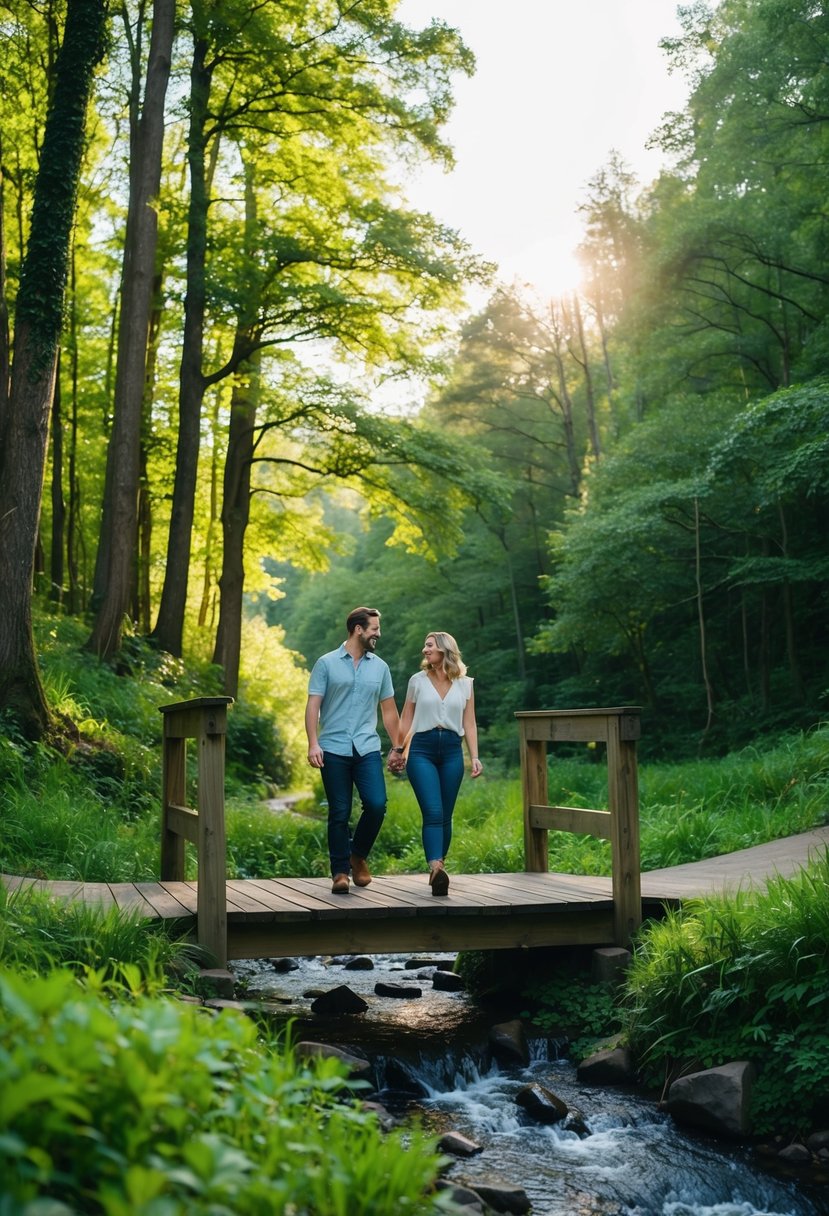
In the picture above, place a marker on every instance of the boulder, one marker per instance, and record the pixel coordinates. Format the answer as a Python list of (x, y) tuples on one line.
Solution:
[(458, 1145), (339, 1000), (400, 1079), (405, 992), (215, 981), (509, 1042), (362, 962), (576, 1123), (608, 964), (795, 1154), (447, 981), (461, 1196), (384, 1117), (283, 965), (502, 1197), (610, 1066), (357, 1066), (218, 1003), (716, 1099), (541, 1104)]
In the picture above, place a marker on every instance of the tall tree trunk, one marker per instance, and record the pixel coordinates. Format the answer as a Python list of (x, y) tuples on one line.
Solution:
[(566, 404), (74, 537), (703, 648), (120, 514), (207, 595), (584, 364), (788, 617), (5, 347), (235, 516), (38, 315), (99, 578), (58, 501), (169, 627)]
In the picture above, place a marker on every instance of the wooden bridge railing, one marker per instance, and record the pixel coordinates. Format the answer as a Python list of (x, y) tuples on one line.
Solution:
[(205, 720), (619, 728)]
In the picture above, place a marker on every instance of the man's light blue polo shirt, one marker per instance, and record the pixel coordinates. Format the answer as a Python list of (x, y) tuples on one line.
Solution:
[(350, 696)]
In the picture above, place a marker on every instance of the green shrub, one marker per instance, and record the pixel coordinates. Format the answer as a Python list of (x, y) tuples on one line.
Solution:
[(153, 1108), (744, 977), (255, 748)]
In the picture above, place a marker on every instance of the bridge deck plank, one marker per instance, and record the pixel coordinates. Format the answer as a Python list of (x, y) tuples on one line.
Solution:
[(281, 916)]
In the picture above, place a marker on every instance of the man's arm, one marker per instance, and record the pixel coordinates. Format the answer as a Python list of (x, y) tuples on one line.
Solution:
[(312, 717), (391, 718)]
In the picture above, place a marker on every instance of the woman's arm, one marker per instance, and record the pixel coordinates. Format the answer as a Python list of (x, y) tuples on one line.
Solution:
[(470, 733), (397, 759), (406, 723)]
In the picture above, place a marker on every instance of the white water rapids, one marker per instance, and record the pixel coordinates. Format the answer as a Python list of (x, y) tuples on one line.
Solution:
[(430, 1056)]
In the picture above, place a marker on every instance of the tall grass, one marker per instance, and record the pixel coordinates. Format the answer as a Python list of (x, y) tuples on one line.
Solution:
[(38, 934), (741, 977), (60, 823)]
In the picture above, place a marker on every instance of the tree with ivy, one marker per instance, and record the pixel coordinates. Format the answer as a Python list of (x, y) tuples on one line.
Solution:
[(37, 327)]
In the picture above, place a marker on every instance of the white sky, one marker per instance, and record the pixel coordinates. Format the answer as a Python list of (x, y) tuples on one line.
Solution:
[(559, 84)]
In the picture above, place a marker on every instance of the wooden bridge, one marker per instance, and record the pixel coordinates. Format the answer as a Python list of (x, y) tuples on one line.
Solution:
[(263, 918)]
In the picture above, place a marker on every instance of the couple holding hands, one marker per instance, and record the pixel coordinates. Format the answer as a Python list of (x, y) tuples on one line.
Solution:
[(345, 689)]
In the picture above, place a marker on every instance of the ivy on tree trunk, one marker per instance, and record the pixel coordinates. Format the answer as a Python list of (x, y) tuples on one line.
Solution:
[(38, 320)]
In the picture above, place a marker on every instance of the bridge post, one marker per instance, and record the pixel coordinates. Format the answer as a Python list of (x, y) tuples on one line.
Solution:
[(205, 720), (619, 728)]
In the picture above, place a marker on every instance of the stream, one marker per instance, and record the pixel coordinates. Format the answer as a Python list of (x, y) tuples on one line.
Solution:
[(430, 1057)]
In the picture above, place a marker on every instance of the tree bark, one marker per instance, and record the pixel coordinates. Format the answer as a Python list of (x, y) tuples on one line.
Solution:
[(58, 501), (235, 517), (119, 519), (703, 647), (584, 364), (5, 336), (169, 626), (23, 443)]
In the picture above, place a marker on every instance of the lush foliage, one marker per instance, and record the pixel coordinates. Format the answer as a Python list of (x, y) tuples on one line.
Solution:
[(137, 1107), (746, 978), (570, 1003), (107, 946)]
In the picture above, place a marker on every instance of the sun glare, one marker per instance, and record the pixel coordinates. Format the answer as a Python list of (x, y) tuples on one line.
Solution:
[(549, 267)]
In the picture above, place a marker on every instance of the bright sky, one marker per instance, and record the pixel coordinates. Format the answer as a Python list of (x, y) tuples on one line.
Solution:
[(559, 84)]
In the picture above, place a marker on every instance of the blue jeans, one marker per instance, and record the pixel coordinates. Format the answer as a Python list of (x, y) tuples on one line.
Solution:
[(435, 771), (340, 775)]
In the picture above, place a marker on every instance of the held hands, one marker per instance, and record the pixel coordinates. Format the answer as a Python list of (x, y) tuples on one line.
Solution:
[(396, 762)]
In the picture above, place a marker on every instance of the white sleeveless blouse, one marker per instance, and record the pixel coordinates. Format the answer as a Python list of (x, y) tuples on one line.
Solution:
[(430, 710)]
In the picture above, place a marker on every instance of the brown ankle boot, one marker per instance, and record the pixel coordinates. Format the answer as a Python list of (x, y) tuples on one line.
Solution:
[(360, 871), (340, 884), (438, 879)]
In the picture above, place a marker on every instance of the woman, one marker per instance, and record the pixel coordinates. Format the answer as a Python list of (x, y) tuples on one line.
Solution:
[(438, 713)]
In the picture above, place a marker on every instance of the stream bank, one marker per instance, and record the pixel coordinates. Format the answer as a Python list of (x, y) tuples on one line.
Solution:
[(431, 1059)]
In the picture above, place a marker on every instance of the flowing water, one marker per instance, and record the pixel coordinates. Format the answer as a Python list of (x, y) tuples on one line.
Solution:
[(430, 1058)]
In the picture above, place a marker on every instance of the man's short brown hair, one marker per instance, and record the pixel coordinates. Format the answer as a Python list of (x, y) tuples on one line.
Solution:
[(361, 617)]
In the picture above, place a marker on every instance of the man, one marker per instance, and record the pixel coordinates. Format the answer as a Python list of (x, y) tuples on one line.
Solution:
[(345, 688)]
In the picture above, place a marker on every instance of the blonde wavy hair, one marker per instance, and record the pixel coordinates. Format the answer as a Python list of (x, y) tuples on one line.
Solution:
[(453, 665)]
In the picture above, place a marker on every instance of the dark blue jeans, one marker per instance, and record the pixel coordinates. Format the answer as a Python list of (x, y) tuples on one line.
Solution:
[(435, 770), (340, 776)]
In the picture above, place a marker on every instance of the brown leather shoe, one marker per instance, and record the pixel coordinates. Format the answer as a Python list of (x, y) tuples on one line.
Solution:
[(360, 871), (340, 884), (438, 879)]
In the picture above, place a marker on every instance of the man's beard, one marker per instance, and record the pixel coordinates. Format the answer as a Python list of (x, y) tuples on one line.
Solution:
[(369, 643)]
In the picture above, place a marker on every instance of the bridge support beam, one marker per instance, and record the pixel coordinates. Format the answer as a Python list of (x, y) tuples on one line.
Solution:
[(618, 728), (204, 720)]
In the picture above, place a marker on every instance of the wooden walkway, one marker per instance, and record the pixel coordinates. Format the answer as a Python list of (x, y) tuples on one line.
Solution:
[(269, 918)]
